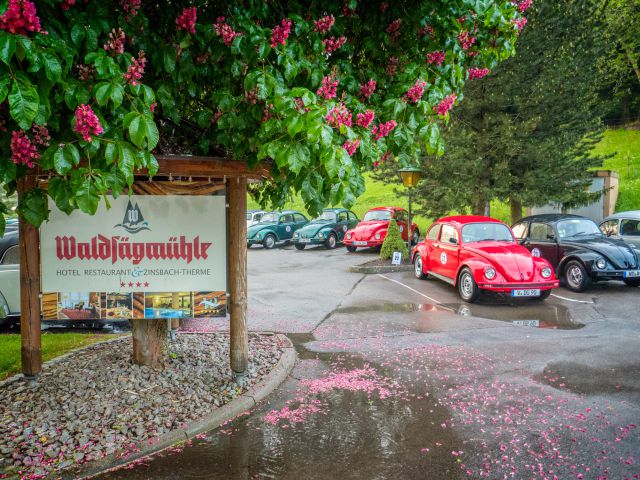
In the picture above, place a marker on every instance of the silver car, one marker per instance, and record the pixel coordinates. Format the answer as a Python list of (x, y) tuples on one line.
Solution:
[(9, 277), (623, 226)]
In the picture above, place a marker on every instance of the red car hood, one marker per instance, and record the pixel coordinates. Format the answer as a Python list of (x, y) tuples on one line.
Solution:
[(366, 230), (512, 261)]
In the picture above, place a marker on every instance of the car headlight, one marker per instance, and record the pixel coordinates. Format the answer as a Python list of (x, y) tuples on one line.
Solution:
[(490, 273), (601, 263), (258, 235), (377, 236), (348, 236), (296, 234), (545, 272), (321, 235)]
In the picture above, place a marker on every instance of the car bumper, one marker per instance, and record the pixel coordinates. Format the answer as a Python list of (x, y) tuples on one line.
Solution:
[(600, 275), (508, 287), (363, 243), (255, 241), (309, 241)]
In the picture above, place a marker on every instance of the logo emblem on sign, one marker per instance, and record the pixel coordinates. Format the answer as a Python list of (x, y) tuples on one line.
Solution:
[(443, 258), (535, 252), (133, 221)]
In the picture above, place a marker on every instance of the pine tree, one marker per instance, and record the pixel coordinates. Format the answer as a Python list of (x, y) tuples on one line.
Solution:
[(393, 242)]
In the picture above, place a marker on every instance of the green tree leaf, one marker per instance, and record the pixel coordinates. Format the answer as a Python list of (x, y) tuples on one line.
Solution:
[(88, 197), (23, 101), (52, 67), (7, 47)]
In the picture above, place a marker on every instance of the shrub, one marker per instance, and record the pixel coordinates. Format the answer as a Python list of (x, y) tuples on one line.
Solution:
[(393, 242)]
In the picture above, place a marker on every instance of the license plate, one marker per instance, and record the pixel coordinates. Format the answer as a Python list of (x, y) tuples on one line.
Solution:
[(304, 240), (532, 292), (526, 323), (358, 242), (631, 274)]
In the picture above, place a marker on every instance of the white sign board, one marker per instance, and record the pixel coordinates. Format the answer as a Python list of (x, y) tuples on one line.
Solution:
[(141, 244), (396, 259)]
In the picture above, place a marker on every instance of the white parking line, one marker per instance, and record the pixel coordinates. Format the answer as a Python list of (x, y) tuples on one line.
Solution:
[(570, 299), (412, 289)]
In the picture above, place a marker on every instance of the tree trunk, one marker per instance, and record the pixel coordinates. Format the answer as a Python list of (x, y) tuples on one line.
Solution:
[(148, 341), (516, 209)]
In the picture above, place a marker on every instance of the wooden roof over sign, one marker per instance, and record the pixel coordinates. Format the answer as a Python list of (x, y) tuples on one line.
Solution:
[(206, 167)]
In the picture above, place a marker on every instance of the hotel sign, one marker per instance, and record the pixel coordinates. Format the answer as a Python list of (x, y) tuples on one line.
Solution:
[(140, 244)]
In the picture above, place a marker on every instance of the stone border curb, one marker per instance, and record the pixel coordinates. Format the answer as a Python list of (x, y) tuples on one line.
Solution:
[(363, 268), (223, 414)]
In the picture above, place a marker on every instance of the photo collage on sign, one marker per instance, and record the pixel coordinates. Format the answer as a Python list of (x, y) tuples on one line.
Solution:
[(124, 306)]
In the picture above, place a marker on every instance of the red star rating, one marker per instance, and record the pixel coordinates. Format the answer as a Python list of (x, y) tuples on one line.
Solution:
[(138, 284), (130, 284), (122, 284), (146, 284)]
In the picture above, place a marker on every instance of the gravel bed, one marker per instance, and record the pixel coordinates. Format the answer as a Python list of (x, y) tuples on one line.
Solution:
[(95, 403)]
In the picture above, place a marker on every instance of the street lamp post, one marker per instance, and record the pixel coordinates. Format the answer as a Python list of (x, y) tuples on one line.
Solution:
[(410, 178)]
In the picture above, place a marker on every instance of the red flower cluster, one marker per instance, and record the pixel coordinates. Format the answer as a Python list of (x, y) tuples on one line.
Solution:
[(300, 105), (475, 73), (41, 135), (415, 93), (348, 11), (351, 146), (67, 4), (130, 7), (462, 19), (20, 18), (87, 123), (116, 42), (466, 40), (225, 31), (445, 105), (435, 58), (23, 152), (392, 66), (136, 69), (365, 119), (472, 53), (324, 24), (338, 116), (367, 89), (329, 87), (280, 33), (385, 157), (383, 129), (524, 5), (520, 23), (187, 20), (384, 6), (332, 44), (394, 29), (267, 113), (427, 30)]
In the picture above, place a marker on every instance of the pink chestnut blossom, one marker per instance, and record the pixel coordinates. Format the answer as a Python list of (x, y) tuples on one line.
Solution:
[(394, 29), (115, 44), (23, 152), (351, 146), (225, 31), (520, 24), (280, 33), (187, 20), (466, 40), (475, 73), (87, 123), (324, 24), (338, 116), (524, 5), (130, 7), (365, 119), (435, 58), (20, 18), (367, 89), (445, 105), (41, 135), (136, 69), (383, 129), (329, 87), (416, 91), (426, 30), (332, 44)]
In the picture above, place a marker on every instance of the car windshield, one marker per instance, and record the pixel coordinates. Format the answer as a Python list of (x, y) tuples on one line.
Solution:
[(485, 232), (326, 217), (373, 215), (270, 218), (577, 226), (249, 216)]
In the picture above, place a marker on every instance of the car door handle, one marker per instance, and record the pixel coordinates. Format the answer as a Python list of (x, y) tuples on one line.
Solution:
[(436, 245)]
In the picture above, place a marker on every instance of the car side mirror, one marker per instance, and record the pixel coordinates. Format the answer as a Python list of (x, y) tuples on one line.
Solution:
[(453, 240), (551, 236), (609, 233)]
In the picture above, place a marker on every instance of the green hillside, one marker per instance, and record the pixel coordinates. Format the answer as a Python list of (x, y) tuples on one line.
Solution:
[(625, 146)]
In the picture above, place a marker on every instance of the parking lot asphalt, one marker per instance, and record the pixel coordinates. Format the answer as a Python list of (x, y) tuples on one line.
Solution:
[(397, 378)]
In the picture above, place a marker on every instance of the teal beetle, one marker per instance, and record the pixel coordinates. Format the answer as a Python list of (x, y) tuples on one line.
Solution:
[(275, 227), (328, 229)]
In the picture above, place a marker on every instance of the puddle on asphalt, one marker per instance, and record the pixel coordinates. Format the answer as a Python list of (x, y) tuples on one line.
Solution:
[(356, 437), (539, 314), (583, 379)]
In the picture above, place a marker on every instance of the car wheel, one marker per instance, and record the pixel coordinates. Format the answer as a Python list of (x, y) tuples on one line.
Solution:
[(300, 246), (417, 267), (467, 286), (269, 241), (543, 295), (633, 282), (351, 248), (576, 277), (331, 241), (416, 237)]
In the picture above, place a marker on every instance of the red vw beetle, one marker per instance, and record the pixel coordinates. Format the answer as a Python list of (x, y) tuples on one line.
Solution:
[(477, 253), (372, 230)]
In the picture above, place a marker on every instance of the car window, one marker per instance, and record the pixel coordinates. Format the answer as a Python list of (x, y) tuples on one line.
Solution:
[(520, 230), (540, 232), (486, 231), (577, 226), (288, 218), (342, 217), (610, 227), (448, 232), (299, 217), (11, 256), (630, 228), (374, 215), (257, 217), (401, 216), (352, 216), (248, 215), (433, 232)]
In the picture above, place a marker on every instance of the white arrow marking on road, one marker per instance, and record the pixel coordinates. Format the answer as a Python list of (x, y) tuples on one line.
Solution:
[(570, 299), (412, 289)]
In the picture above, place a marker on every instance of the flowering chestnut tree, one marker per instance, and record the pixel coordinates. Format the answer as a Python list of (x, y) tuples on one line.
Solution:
[(318, 92)]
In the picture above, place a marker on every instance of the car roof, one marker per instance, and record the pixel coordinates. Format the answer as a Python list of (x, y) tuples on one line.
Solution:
[(335, 209), (631, 214), (288, 211), (254, 211), (385, 208), (464, 219), (10, 238), (550, 217)]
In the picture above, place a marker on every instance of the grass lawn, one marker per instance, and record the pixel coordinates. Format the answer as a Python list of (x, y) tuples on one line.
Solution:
[(625, 145), (53, 345)]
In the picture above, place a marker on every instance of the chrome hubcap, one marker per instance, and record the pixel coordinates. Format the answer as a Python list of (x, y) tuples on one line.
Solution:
[(418, 266), (332, 241), (575, 276), (270, 242), (467, 285)]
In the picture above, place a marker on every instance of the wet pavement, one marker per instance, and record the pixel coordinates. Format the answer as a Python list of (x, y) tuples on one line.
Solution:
[(397, 379)]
